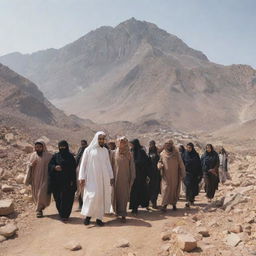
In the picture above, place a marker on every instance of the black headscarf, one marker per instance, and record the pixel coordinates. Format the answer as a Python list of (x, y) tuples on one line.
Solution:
[(153, 150), (64, 152)]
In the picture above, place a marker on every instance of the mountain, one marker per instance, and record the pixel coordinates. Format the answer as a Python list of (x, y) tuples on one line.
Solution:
[(138, 72), (24, 106)]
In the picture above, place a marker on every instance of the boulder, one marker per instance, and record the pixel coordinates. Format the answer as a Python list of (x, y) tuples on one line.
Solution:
[(6, 207), (233, 199), (73, 246), (8, 230), (186, 242)]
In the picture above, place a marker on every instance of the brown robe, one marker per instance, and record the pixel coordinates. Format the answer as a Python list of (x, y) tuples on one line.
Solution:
[(39, 178), (172, 170), (124, 175)]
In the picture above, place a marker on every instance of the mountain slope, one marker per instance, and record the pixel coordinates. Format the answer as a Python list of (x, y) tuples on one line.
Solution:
[(137, 72)]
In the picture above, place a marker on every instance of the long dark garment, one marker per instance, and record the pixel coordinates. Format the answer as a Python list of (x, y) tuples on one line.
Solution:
[(154, 176), (139, 192), (63, 183), (193, 174), (210, 164)]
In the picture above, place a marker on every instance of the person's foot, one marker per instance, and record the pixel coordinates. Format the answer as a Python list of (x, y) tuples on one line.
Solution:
[(123, 219), (39, 214), (209, 200), (187, 205), (174, 207), (87, 221), (99, 223)]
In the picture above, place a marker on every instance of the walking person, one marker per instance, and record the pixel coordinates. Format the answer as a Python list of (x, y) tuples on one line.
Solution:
[(210, 165), (154, 174), (223, 168), (62, 180), (37, 177), (173, 171), (96, 176), (194, 173), (139, 192), (124, 175)]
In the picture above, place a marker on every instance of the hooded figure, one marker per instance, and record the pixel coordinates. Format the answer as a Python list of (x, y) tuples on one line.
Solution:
[(139, 192), (96, 176), (210, 165), (62, 179), (154, 174), (37, 176), (124, 174), (173, 171), (194, 173)]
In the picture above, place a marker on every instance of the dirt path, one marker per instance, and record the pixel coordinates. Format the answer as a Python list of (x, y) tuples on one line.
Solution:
[(48, 235)]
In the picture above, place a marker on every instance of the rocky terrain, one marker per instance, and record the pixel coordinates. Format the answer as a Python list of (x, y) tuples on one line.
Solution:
[(138, 72), (224, 227)]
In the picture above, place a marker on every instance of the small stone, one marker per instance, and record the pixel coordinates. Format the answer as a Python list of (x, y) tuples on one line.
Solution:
[(203, 231), (7, 188), (166, 235), (236, 229), (6, 207), (233, 239), (8, 231), (186, 242), (131, 254), (73, 246), (20, 178), (122, 243), (2, 238)]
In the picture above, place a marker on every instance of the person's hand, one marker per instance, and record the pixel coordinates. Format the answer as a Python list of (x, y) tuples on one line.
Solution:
[(58, 168), (112, 182), (82, 183)]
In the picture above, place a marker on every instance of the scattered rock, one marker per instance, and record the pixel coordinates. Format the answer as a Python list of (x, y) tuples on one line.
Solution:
[(20, 178), (7, 188), (203, 231), (73, 246), (122, 243), (233, 239), (6, 207), (166, 235), (186, 242), (236, 229), (8, 231), (2, 238)]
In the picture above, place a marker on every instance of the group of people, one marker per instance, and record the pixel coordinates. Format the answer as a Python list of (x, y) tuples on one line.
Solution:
[(108, 177)]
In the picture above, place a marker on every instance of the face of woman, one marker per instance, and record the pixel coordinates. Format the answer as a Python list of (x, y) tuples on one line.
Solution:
[(208, 149), (189, 148)]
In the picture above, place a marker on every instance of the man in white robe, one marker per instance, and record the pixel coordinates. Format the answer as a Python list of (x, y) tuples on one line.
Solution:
[(96, 175)]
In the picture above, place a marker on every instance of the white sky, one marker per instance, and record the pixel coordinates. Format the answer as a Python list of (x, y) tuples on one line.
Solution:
[(225, 30)]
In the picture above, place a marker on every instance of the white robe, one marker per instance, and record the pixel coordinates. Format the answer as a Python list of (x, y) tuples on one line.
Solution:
[(96, 170)]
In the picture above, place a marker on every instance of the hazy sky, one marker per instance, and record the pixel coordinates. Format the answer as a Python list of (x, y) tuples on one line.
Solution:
[(225, 30)]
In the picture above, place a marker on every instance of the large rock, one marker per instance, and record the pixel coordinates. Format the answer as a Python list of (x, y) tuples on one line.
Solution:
[(73, 246), (166, 235), (233, 239), (203, 231), (6, 207), (186, 242), (24, 146), (8, 231)]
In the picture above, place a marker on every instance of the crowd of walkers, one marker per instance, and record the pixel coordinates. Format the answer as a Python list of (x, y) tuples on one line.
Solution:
[(107, 177)]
